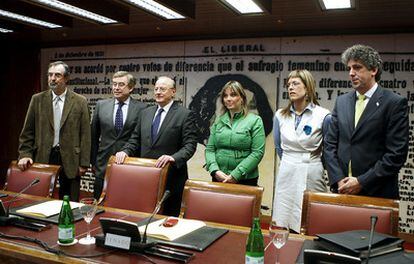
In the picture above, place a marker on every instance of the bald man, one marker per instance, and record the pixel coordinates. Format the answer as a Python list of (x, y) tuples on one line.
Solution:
[(165, 132)]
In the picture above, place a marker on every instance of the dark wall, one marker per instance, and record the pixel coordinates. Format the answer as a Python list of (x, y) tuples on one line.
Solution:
[(19, 80)]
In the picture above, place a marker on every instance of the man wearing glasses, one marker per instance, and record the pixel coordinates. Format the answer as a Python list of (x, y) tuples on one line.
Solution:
[(165, 132), (56, 131), (112, 124)]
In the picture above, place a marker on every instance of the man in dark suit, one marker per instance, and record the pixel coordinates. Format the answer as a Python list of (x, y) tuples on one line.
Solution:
[(367, 141), (165, 132), (57, 131), (112, 124)]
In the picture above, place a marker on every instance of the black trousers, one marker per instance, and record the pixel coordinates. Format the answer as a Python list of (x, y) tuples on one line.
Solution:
[(97, 187), (69, 187)]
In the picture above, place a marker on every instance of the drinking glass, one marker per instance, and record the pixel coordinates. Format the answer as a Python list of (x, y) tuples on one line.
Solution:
[(88, 209), (279, 235)]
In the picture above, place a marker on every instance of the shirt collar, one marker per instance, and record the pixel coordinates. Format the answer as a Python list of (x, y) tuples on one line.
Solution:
[(126, 102), (62, 96), (309, 107), (370, 92), (166, 107)]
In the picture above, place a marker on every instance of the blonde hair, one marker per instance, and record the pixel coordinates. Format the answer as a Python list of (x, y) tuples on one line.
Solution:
[(236, 87), (310, 85)]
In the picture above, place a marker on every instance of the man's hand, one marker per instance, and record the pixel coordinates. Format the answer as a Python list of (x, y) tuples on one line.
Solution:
[(220, 176), (163, 160), (230, 179), (120, 157), (24, 163), (349, 185), (82, 170)]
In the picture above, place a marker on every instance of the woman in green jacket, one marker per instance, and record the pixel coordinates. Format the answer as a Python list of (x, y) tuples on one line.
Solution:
[(237, 140)]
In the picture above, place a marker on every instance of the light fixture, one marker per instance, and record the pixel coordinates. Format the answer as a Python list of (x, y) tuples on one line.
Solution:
[(5, 30), (26, 19), (337, 4), (79, 12), (156, 8), (244, 6)]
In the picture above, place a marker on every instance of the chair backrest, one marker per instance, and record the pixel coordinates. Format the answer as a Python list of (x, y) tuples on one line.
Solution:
[(332, 213), (17, 180), (226, 203), (134, 185)]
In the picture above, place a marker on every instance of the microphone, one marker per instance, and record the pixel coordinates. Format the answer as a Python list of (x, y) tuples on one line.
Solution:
[(374, 219), (157, 208), (34, 182)]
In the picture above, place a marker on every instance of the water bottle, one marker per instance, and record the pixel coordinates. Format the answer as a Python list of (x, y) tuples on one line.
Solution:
[(66, 224), (255, 244)]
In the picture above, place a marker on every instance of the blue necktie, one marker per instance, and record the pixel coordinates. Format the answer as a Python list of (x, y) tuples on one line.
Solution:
[(156, 124), (119, 118)]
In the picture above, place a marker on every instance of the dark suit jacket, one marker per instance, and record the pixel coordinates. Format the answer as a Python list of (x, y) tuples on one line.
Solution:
[(176, 137), (105, 141), (36, 138), (377, 147)]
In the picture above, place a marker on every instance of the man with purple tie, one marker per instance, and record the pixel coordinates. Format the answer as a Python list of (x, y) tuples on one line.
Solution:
[(165, 132)]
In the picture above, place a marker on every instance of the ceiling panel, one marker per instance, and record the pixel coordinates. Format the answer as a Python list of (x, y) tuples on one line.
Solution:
[(213, 20)]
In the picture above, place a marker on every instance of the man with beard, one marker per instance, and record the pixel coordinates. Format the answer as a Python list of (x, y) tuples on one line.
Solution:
[(57, 131), (367, 141)]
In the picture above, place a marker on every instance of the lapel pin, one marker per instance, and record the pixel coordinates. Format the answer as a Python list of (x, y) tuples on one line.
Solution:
[(377, 104)]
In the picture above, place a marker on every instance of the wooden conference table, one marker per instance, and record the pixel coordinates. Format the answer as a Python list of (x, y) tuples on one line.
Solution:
[(228, 249)]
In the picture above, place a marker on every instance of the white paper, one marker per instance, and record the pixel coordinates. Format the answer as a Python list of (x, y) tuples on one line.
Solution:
[(183, 227), (46, 209)]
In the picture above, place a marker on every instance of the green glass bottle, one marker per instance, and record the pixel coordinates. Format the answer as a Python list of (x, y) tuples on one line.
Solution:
[(66, 224), (255, 244)]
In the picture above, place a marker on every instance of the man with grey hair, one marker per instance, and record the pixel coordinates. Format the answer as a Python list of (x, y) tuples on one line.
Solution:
[(112, 124), (57, 131), (165, 132), (367, 141)]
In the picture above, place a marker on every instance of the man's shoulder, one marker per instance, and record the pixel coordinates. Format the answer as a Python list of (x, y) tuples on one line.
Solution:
[(76, 96), (180, 109), (390, 95), (346, 95), (137, 103), (41, 94), (105, 101)]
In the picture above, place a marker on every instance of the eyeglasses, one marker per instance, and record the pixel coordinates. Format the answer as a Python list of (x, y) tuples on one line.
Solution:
[(118, 84), (160, 89), (294, 84)]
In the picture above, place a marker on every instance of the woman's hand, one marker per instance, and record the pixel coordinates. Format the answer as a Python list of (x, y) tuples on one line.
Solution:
[(220, 176), (230, 179)]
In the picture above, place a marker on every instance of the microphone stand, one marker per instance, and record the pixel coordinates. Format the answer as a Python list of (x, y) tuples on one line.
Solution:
[(157, 208), (374, 219), (5, 219), (13, 199)]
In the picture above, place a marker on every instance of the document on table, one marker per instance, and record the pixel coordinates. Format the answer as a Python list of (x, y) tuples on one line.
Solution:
[(46, 209), (184, 226)]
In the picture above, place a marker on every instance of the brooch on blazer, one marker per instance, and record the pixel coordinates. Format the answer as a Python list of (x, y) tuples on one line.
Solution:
[(307, 129)]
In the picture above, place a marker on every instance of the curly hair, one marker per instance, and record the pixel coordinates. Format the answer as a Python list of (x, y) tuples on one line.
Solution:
[(366, 55)]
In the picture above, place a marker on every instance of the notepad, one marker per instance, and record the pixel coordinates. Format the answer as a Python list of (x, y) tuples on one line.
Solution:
[(46, 209), (183, 227)]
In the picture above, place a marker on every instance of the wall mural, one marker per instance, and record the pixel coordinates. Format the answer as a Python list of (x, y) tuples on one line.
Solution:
[(201, 68)]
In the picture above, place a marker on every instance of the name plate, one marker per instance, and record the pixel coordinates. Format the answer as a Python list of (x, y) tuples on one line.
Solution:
[(117, 241)]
